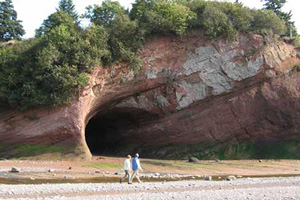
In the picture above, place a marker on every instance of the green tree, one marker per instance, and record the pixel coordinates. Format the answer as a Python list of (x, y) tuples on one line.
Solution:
[(10, 27), (54, 20), (105, 14), (267, 20), (52, 68), (162, 16), (68, 7), (275, 6), (125, 36), (125, 39), (139, 8), (217, 23)]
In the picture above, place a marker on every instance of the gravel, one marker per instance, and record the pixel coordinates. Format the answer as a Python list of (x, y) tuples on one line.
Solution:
[(286, 188)]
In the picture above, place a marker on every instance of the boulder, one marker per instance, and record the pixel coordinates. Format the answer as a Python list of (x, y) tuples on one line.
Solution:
[(14, 170), (193, 159), (230, 178)]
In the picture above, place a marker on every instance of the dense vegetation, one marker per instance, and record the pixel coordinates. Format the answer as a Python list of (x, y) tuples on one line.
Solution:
[(10, 26), (51, 67)]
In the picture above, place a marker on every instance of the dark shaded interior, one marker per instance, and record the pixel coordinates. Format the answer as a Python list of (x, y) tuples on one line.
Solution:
[(112, 132)]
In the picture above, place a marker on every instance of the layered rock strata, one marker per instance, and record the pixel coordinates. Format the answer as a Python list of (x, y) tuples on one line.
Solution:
[(192, 97)]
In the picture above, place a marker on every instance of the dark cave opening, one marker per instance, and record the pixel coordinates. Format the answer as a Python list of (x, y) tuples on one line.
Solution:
[(114, 132)]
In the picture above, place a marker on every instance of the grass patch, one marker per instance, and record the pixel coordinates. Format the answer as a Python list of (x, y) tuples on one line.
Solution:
[(32, 116), (157, 163), (104, 165), (186, 115), (28, 150), (295, 70), (32, 149)]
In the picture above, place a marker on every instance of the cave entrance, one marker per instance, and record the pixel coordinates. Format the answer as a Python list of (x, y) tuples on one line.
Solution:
[(116, 132)]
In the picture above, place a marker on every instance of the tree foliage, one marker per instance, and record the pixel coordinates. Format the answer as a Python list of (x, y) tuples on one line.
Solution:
[(162, 16), (54, 20), (50, 69), (217, 23), (105, 14), (68, 7), (10, 26), (227, 19), (125, 36), (267, 20), (276, 6)]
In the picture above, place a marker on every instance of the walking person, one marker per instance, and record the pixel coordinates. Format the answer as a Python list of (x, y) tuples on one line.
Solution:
[(136, 166), (127, 169)]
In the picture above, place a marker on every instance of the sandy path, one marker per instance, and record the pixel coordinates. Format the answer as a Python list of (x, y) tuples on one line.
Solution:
[(250, 188)]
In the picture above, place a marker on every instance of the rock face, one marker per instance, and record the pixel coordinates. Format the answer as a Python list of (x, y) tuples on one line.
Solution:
[(193, 97)]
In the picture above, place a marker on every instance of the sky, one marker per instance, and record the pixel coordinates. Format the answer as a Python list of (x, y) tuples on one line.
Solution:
[(32, 13)]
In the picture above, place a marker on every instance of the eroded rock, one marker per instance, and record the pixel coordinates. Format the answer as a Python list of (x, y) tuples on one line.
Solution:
[(192, 96)]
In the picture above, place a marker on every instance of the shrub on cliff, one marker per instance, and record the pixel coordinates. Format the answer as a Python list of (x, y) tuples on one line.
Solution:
[(50, 69), (227, 19), (125, 36), (267, 20), (162, 16), (217, 23)]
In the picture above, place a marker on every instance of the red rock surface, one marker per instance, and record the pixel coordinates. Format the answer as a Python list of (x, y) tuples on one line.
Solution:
[(190, 91)]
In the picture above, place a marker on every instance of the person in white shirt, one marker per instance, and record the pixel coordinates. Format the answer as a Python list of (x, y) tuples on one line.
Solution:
[(127, 169)]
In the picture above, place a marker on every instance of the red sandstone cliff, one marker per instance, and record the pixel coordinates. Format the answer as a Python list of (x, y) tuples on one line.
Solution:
[(193, 97)]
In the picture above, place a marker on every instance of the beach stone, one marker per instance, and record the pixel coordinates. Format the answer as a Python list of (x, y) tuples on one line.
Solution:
[(193, 159), (14, 170), (120, 172), (230, 178), (69, 177), (97, 172)]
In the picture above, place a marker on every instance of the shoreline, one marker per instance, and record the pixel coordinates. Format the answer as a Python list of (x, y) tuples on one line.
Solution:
[(109, 169)]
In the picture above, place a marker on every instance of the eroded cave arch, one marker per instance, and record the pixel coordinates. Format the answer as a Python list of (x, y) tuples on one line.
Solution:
[(116, 132)]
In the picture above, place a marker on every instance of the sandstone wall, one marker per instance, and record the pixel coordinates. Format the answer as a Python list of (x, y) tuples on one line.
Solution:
[(202, 93)]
